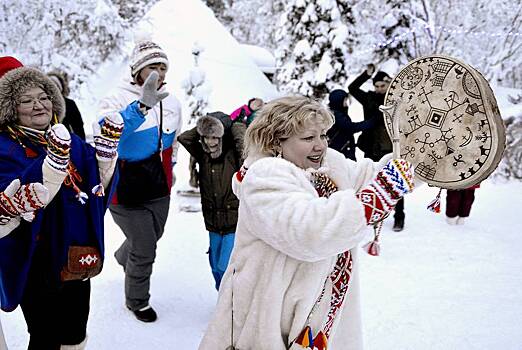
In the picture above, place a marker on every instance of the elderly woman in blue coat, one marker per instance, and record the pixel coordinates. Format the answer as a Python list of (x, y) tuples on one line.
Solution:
[(55, 189)]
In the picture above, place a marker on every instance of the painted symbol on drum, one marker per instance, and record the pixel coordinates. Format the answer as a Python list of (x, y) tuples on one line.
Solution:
[(410, 77), (434, 157), (445, 129), (472, 109), (425, 142), (453, 100), (426, 171), (442, 67), (483, 137), (437, 81), (457, 118), (467, 138), (482, 124), (410, 151), (436, 118), (470, 86), (458, 160), (459, 71)]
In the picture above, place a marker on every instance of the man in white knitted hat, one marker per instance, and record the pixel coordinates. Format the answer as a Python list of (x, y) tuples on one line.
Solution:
[(147, 154)]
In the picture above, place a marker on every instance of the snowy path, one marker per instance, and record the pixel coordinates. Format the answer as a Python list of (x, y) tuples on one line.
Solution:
[(434, 286)]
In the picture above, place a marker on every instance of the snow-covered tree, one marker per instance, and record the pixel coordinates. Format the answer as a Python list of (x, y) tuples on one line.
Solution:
[(196, 88), (479, 32), (252, 22), (219, 7), (133, 10), (511, 165), (76, 38), (313, 40)]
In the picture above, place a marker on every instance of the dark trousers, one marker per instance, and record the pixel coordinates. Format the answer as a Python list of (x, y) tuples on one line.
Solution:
[(56, 313), (143, 227), (399, 210), (459, 202)]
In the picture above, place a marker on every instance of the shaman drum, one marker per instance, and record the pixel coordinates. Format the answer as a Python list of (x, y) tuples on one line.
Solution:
[(449, 124)]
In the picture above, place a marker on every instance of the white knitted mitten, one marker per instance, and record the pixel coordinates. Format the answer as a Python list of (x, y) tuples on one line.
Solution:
[(107, 136), (22, 200), (58, 147)]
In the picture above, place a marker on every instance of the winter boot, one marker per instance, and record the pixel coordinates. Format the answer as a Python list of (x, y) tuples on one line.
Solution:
[(452, 221), (398, 225), (80, 346), (461, 220), (146, 314)]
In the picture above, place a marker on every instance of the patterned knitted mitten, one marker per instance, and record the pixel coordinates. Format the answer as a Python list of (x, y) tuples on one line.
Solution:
[(390, 184), (58, 147), (107, 137), (22, 200)]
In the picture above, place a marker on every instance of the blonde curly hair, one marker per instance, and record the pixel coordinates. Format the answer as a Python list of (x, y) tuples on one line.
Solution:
[(280, 119)]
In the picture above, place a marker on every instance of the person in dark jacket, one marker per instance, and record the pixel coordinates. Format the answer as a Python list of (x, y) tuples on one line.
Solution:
[(73, 119), (216, 143), (375, 142), (341, 133)]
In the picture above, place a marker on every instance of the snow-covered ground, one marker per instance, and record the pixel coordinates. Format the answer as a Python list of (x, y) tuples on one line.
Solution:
[(433, 287)]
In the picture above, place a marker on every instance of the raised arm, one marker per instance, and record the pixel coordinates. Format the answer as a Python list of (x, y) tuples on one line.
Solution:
[(355, 88)]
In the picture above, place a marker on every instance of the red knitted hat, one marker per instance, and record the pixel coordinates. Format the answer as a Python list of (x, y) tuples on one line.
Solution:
[(7, 63)]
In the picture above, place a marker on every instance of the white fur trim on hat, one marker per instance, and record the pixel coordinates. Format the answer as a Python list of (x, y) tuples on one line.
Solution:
[(145, 53)]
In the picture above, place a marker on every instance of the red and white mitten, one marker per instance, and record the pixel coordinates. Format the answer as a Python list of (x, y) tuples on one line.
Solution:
[(58, 147), (22, 201), (107, 136), (382, 194)]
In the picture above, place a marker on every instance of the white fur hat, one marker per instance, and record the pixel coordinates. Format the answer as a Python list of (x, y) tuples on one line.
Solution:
[(146, 52)]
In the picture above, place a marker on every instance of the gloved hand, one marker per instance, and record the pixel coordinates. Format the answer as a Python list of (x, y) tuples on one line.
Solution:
[(107, 136), (22, 201), (58, 147), (383, 193), (150, 95), (370, 69)]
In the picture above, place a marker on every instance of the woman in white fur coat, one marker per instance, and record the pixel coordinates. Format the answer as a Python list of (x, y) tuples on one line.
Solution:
[(292, 281)]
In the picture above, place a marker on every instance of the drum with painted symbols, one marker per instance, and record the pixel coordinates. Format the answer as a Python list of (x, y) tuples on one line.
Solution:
[(449, 124)]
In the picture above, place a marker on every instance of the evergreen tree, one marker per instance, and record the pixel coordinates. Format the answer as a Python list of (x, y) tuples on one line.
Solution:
[(76, 37), (314, 40), (251, 22), (133, 10)]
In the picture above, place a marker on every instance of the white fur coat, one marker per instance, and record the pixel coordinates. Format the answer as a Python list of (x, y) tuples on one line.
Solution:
[(287, 241)]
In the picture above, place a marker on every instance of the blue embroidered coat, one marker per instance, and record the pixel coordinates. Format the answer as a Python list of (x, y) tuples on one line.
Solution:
[(64, 222)]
